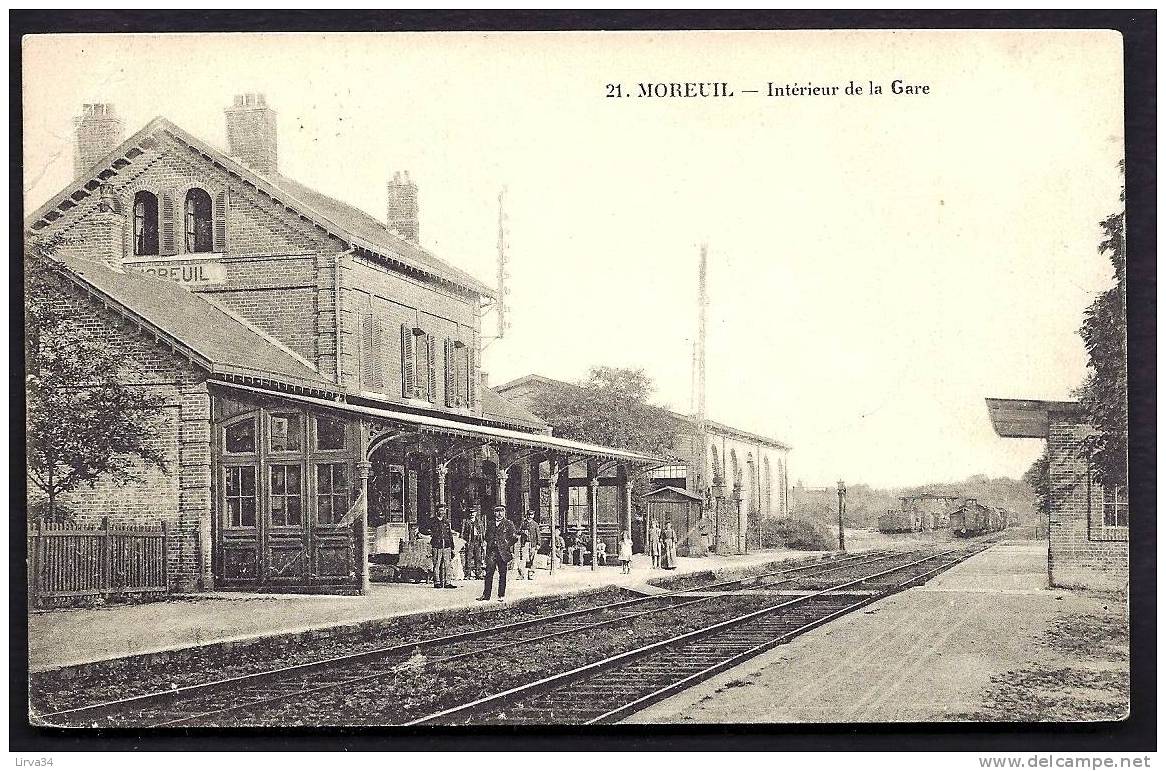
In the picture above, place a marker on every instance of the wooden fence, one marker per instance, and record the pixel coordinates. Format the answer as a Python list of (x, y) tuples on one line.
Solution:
[(65, 561)]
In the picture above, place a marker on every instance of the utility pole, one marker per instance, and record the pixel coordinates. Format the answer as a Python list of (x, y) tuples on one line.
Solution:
[(503, 274), (841, 512), (702, 312)]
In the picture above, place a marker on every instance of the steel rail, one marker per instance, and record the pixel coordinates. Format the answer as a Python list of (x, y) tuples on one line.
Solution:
[(146, 700), (627, 656)]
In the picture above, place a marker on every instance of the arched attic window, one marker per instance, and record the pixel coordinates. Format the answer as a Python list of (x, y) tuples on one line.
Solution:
[(199, 225), (145, 223)]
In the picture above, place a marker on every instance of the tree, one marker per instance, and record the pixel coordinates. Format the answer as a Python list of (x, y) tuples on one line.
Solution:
[(1103, 394), (1038, 478), (82, 421), (610, 408)]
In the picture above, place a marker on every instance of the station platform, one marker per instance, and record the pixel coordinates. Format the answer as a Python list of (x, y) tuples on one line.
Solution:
[(930, 653), (70, 637)]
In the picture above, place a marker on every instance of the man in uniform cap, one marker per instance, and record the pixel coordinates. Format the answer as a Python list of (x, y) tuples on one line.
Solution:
[(501, 536), (441, 540)]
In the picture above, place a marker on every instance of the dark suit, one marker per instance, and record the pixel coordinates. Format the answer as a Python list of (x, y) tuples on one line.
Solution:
[(441, 539), (500, 540)]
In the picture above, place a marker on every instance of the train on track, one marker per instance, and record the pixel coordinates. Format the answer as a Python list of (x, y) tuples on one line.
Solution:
[(964, 517), (974, 518)]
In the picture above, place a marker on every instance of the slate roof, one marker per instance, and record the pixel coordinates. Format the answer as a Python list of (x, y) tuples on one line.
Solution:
[(500, 409), (344, 221), (219, 341)]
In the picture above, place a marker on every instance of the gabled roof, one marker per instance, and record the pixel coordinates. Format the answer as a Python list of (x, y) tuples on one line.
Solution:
[(211, 336), (688, 420), (358, 229), (676, 490)]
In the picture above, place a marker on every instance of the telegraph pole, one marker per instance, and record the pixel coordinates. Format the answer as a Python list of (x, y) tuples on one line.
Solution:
[(702, 313), (503, 273), (841, 511)]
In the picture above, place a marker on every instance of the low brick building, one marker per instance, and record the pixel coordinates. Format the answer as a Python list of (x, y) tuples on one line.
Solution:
[(1088, 536), (320, 367), (742, 476)]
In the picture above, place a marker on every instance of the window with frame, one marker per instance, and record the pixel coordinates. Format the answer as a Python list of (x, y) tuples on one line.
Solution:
[(670, 472), (331, 434), (239, 495), (332, 492), (1112, 522), (199, 225), (578, 512), (240, 437), (418, 364), (145, 223), (286, 431), (457, 373), (286, 494)]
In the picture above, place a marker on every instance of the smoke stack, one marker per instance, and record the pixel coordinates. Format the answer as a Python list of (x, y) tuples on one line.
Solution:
[(402, 207), (99, 130), (251, 136)]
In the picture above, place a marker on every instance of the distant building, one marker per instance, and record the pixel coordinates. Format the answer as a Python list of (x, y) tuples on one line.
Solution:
[(1088, 524), (742, 476)]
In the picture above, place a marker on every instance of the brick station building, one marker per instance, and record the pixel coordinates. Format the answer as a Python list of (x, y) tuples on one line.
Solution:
[(320, 368), (1088, 523)]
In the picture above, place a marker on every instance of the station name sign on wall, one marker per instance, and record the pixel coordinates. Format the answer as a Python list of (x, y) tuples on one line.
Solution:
[(202, 273)]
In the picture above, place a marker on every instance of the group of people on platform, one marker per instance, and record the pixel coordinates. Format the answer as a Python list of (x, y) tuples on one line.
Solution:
[(482, 550), (662, 545), (479, 550)]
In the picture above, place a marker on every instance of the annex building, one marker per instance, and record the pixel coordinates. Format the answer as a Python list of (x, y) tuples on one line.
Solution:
[(742, 476), (1089, 533), (320, 367)]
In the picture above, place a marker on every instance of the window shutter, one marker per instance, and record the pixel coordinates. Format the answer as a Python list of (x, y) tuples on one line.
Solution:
[(431, 363), (221, 222), (451, 381), (463, 375), (371, 346), (168, 244), (408, 361)]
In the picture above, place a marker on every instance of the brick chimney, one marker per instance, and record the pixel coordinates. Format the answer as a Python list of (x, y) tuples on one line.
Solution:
[(251, 136), (99, 130), (403, 208)]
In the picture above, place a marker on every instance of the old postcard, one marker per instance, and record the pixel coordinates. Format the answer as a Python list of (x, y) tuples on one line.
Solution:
[(575, 378)]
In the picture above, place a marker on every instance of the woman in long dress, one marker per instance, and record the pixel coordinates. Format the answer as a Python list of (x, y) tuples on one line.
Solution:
[(654, 546), (669, 538)]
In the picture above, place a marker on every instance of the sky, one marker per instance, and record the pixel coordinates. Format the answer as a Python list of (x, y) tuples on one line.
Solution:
[(878, 264)]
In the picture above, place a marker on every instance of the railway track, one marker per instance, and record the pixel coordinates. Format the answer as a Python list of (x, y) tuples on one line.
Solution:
[(247, 697), (220, 697), (609, 690)]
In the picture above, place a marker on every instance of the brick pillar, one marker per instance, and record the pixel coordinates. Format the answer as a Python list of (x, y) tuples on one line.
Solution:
[(194, 492)]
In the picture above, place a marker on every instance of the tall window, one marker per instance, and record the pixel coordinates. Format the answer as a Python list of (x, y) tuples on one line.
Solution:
[(1112, 522), (457, 373), (418, 364), (240, 495), (577, 511), (331, 492), (145, 223), (286, 495), (199, 228)]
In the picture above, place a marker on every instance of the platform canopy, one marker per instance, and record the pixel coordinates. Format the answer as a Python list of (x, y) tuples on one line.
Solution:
[(436, 425), (1026, 418)]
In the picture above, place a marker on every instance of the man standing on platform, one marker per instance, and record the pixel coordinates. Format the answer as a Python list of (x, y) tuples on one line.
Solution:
[(441, 540), (528, 532), (473, 533), (501, 536)]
